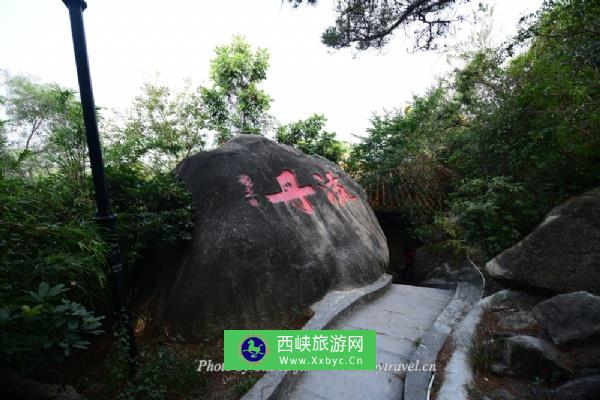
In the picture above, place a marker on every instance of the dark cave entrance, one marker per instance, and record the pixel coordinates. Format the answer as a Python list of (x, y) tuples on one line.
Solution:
[(395, 229)]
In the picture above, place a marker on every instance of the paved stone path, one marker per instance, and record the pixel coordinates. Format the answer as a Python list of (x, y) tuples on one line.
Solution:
[(400, 316)]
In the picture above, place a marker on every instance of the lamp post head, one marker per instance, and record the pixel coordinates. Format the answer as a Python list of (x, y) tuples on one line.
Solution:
[(81, 2)]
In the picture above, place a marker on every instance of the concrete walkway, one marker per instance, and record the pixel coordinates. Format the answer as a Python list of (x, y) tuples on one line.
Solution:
[(400, 316)]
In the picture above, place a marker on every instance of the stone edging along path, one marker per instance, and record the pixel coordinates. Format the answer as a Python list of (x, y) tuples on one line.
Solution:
[(418, 384), (470, 285), (458, 370), (331, 308)]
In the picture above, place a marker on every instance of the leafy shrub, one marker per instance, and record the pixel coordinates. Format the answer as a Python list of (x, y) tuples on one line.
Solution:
[(493, 213), (46, 234), (445, 236), (43, 327), (155, 210), (48, 238), (159, 370)]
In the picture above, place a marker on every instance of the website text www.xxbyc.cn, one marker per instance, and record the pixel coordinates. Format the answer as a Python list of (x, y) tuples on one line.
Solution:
[(316, 360)]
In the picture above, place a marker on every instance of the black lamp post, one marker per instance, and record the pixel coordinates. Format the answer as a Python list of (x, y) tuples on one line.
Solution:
[(104, 216)]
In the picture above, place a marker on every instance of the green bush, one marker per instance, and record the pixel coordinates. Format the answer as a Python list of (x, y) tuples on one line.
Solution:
[(160, 370), (154, 209), (47, 232), (493, 213), (445, 236), (44, 327), (47, 235)]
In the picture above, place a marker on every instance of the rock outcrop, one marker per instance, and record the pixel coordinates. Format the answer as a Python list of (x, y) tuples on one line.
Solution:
[(532, 348), (562, 254), (275, 230), (572, 318), (531, 356)]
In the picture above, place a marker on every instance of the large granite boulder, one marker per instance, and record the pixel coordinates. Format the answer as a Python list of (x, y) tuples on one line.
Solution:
[(562, 254), (275, 230), (569, 319)]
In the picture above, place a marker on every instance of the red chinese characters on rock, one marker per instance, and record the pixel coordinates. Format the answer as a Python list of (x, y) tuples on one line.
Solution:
[(297, 196), (336, 193), (291, 193), (250, 195)]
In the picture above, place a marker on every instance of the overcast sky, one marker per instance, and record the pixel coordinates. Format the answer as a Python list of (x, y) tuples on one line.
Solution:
[(130, 41)]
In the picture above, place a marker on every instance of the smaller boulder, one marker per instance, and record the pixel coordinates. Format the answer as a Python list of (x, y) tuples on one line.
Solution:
[(587, 388), (518, 321), (515, 300), (530, 357), (561, 255), (571, 318)]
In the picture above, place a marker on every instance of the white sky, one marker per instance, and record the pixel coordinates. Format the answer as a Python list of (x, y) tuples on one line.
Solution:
[(130, 41)]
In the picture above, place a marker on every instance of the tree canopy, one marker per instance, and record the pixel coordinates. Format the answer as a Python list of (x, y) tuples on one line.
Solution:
[(365, 24), (163, 127), (235, 103), (483, 155), (309, 136)]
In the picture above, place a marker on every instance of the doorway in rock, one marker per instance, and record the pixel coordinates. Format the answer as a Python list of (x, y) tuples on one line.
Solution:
[(395, 229)]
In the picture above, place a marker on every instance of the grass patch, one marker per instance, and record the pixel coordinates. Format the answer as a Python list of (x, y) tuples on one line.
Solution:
[(245, 385)]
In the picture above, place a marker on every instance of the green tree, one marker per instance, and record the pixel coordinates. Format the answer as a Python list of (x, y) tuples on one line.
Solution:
[(48, 240), (400, 163), (235, 103), (46, 123), (493, 212), (31, 109), (66, 148), (163, 128), (309, 136), (540, 113), (501, 141)]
